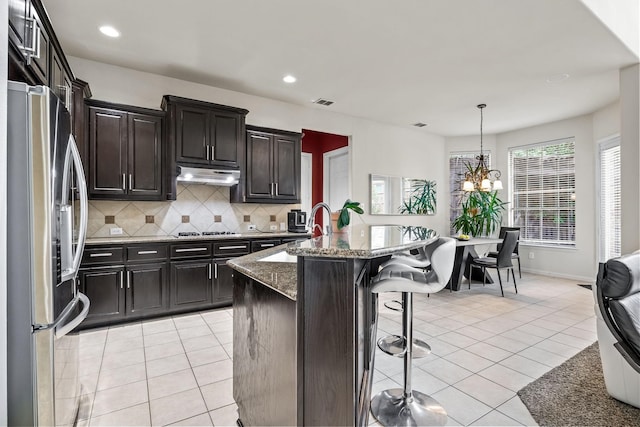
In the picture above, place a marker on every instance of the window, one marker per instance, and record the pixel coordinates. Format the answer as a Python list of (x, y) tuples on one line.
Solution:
[(457, 168), (610, 200), (542, 192)]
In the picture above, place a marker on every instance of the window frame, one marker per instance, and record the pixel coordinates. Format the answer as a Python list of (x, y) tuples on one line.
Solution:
[(541, 192), (603, 145)]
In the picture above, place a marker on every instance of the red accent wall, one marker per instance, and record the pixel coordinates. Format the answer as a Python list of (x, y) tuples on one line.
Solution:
[(318, 143)]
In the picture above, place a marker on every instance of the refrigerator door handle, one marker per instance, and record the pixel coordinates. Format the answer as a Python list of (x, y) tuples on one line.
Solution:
[(61, 331), (70, 271)]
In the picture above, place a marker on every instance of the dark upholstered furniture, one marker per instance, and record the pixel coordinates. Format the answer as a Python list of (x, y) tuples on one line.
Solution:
[(501, 261), (515, 254), (618, 295)]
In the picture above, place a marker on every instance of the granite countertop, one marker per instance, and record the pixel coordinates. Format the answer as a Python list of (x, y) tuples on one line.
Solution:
[(365, 241), (279, 276), (362, 241), (160, 239)]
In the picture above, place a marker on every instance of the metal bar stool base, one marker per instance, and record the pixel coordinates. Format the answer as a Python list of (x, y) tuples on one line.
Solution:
[(391, 408), (394, 345)]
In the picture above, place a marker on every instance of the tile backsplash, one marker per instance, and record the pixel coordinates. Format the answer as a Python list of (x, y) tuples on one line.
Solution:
[(197, 208)]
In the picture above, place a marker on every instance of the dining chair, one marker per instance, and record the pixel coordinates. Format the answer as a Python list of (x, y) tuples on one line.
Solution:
[(501, 261), (515, 254)]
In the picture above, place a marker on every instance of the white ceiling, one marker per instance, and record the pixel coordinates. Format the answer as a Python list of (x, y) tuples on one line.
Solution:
[(398, 62)]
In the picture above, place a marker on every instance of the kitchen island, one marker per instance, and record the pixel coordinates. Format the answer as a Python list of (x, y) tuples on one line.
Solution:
[(304, 326)]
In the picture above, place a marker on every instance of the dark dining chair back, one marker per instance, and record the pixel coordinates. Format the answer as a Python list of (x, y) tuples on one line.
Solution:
[(515, 254), (508, 245)]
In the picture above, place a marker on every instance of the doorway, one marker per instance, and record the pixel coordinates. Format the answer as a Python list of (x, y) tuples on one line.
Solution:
[(317, 144)]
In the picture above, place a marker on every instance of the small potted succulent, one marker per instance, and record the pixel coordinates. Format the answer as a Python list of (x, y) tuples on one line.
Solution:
[(341, 218)]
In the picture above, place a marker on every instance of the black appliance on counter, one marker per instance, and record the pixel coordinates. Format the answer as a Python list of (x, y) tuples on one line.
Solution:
[(297, 221)]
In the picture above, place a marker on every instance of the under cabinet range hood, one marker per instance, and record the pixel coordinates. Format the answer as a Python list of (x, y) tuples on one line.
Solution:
[(220, 177)]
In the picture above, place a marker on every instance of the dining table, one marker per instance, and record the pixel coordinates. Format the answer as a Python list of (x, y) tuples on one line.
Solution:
[(465, 253)]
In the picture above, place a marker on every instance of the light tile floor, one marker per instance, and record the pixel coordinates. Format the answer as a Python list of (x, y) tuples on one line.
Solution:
[(178, 370)]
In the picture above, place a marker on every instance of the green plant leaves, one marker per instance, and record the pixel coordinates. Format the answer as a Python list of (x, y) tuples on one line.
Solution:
[(481, 213), (423, 198), (343, 218)]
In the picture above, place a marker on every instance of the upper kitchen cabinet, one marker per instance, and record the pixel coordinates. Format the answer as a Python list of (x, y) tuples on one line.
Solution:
[(79, 92), (273, 166), (203, 134), (125, 152), (35, 55)]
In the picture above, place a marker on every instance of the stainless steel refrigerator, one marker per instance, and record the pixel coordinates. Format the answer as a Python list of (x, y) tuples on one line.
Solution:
[(47, 222)]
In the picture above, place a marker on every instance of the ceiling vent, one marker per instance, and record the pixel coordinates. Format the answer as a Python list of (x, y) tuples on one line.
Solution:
[(322, 101), (419, 125)]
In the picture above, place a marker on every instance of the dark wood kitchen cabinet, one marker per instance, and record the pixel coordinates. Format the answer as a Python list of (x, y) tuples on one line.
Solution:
[(104, 286), (203, 134), (273, 166), (125, 152), (222, 281), (35, 54), (146, 289), (80, 91), (190, 284)]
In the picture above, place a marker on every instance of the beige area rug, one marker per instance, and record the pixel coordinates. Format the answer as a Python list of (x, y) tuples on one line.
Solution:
[(574, 394)]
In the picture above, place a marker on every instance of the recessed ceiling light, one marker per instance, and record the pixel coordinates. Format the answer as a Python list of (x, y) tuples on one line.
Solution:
[(557, 78), (420, 125), (289, 79), (108, 30)]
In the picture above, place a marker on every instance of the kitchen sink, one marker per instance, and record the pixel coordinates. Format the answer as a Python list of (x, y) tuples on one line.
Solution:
[(281, 256)]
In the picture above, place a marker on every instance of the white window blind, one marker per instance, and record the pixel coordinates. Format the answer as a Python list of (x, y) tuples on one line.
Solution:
[(542, 192), (610, 223), (457, 168)]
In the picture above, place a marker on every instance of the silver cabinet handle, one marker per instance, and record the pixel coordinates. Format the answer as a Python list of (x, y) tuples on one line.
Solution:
[(215, 275), (266, 245), (100, 254), (213, 152), (276, 185), (207, 150), (33, 50), (191, 250), (147, 252), (271, 189), (124, 182), (209, 270), (130, 183), (233, 247), (121, 279), (128, 280)]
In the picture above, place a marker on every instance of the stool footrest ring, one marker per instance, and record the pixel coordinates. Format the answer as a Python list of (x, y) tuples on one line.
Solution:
[(394, 345)]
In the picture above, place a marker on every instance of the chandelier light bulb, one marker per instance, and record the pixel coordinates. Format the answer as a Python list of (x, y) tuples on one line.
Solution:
[(497, 185), (485, 185), (467, 186)]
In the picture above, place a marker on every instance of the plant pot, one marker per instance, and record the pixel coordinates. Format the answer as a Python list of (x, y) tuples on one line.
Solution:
[(334, 223)]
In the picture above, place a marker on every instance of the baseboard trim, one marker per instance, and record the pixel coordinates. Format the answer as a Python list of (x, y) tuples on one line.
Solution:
[(583, 279)]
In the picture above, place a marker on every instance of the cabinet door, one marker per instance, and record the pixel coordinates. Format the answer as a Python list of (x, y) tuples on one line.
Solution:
[(147, 289), (18, 26), (107, 152), (286, 158), (222, 281), (190, 284), (105, 289), (259, 165), (192, 135), (39, 62), (56, 75), (225, 139), (145, 155)]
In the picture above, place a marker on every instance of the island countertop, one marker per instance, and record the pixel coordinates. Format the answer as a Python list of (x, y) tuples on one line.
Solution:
[(361, 241)]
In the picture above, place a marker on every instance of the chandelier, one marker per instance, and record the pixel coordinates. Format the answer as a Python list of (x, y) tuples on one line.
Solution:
[(479, 178)]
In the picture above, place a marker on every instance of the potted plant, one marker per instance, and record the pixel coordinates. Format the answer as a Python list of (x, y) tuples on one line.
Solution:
[(341, 218), (481, 214)]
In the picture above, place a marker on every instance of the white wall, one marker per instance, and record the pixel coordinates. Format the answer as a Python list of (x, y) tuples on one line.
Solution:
[(4, 18), (621, 17), (376, 147), (606, 122), (579, 262)]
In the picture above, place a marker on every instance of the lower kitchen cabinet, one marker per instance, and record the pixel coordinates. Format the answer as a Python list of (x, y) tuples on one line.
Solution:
[(190, 284), (146, 289), (223, 281), (105, 289)]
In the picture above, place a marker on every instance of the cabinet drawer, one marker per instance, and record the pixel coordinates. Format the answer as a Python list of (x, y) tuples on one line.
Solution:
[(258, 245), (230, 248), (146, 252), (190, 250), (103, 255)]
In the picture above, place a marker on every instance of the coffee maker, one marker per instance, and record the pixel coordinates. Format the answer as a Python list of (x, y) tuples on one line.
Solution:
[(297, 221)]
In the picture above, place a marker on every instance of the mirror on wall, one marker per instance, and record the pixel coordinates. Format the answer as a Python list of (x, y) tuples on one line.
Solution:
[(395, 195)]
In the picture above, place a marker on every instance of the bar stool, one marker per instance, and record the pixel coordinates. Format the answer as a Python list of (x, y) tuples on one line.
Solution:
[(394, 345), (404, 407)]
